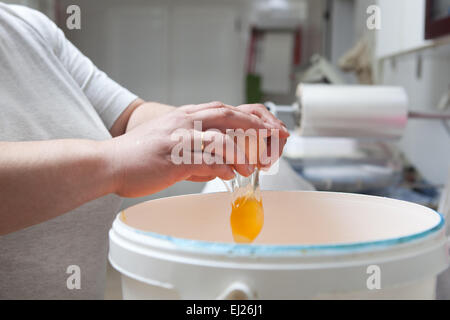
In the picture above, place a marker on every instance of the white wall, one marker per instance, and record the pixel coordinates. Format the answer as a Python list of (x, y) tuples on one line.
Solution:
[(313, 32), (343, 35), (403, 26), (45, 6), (425, 143), (407, 60), (177, 52)]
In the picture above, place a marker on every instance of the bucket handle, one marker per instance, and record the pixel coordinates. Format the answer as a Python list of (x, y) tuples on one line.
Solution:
[(237, 291)]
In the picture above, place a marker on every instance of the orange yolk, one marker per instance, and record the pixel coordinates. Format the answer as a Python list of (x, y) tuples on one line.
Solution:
[(123, 216), (247, 219)]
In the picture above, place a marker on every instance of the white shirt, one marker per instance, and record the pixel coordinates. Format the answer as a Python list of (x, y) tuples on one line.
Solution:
[(50, 90)]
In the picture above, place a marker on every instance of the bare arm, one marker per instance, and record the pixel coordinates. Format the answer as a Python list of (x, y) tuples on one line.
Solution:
[(40, 180), (138, 112)]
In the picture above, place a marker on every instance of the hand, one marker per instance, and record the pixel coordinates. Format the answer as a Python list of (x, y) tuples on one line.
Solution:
[(142, 157), (261, 112)]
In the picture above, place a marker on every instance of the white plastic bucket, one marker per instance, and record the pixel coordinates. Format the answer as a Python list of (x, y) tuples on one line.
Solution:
[(314, 245)]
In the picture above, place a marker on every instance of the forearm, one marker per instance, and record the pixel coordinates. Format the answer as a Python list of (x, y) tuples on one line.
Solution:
[(137, 113), (43, 179), (147, 111)]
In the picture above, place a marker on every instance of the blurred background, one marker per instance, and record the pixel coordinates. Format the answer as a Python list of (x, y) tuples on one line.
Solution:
[(236, 51)]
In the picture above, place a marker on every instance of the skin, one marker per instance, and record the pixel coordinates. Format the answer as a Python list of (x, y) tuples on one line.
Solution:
[(40, 180)]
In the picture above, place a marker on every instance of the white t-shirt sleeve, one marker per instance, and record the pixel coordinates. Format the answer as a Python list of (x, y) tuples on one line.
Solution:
[(107, 97)]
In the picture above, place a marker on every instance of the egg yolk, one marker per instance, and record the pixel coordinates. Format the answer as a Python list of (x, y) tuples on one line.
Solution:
[(247, 219), (123, 216)]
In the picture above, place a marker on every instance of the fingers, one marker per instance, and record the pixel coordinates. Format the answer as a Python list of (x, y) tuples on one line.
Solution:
[(261, 111), (217, 111), (203, 106), (199, 171), (273, 155), (200, 178), (221, 148), (223, 118), (220, 117), (283, 143)]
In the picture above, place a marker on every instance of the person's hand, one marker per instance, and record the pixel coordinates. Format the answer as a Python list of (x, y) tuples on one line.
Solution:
[(264, 114), (142, 159)]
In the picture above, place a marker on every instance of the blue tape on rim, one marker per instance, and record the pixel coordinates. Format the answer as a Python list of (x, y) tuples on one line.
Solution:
[(223, 248)]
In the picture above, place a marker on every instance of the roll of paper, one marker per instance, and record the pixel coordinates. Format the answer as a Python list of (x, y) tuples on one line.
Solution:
[(357, 111)]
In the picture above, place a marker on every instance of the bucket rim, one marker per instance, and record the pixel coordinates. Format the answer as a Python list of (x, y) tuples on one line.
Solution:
[(229, 248)]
